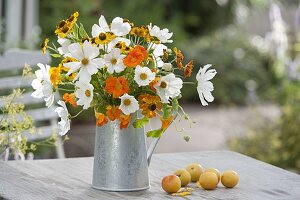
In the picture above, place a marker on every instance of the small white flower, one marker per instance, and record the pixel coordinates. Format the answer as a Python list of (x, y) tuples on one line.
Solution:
[(143, 75), (42, 85), (128, 104), (205, 86), (64, 123), (118, 27), (86, 63), (163, 35), (84, 93), (64, 43), (114, 61), (168, 86)]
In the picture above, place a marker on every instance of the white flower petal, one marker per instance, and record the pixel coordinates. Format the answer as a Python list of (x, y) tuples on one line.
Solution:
[(74, 66), (96, 30), (89, 50), (76, 51)]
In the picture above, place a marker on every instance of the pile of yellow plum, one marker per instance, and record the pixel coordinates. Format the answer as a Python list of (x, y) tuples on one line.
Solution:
[(207, 179)]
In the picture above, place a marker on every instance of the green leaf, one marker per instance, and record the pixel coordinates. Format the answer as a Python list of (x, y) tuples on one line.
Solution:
[(139, 123), (55, 55), (75, 32), (155, 133), (82, 31)]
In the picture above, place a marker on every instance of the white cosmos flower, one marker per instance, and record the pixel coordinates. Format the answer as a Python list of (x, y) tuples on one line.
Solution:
[(64, 43), (128, 104), (143, 75), (168, 86), (84, 93), (205, 86), (64, 123), (163, 35), (118, 27), (42, 85), (114, 61), (86, 63)]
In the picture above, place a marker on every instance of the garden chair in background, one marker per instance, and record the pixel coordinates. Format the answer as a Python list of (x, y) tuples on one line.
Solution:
[(45, 119)]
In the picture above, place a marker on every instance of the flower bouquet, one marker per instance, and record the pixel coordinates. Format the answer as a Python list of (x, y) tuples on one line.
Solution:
[(127, 73)]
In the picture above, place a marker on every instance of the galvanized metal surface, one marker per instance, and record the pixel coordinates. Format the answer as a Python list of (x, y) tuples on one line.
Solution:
[(120, 161)]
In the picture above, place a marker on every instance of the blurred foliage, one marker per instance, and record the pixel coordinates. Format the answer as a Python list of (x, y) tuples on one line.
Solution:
[(182, 18), (277, 143), (236, 61)]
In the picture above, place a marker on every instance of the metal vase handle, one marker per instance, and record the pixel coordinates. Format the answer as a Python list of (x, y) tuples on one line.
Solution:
[(154, 143)]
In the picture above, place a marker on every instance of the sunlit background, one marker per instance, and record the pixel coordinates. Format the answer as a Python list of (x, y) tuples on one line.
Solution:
[(253, 44)]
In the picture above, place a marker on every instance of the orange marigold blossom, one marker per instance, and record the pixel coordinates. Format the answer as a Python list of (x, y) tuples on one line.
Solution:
[(70, 98), (124, 121), (113, 112), (188, 69), (117, 86), (135, 56), (149, 105), (165, 123), (100, 119)]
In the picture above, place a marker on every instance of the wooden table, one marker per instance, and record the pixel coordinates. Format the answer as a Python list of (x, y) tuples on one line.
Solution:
[(71, 179)]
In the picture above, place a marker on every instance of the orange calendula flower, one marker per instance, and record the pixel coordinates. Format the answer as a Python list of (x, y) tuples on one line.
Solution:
[(179, 57), (136, 56), (70, 98), (55, 76), (117, 86), (100, 119), (113, 112), (124, 121), (188, 69), (44, 45), (149, 105), (165, 123)]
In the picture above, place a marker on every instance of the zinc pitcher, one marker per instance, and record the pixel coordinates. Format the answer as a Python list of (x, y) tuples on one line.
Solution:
[(121, 159)]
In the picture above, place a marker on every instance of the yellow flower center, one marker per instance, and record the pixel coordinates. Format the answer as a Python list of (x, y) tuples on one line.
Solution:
[(113, 61), (127, 102), (85, 61), (163, 84), (143, 76), (88, 93)]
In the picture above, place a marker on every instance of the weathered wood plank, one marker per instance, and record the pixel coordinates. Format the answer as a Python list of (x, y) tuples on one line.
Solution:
[(16, 59), (71, 178)]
